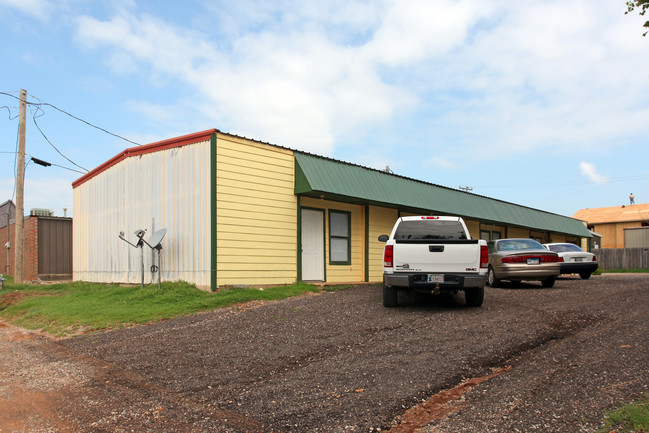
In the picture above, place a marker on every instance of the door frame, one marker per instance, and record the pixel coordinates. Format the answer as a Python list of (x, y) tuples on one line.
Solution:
[(299, 240)]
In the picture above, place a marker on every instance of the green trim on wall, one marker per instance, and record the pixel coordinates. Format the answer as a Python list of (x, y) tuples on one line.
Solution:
[(213, 193), (367, 243), (299, 240)]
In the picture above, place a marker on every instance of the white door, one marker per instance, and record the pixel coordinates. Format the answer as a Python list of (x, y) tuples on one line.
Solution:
[(312, 245)]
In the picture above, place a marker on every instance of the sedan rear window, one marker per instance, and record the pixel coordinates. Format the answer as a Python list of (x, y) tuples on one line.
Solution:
[(565, 248), (518, 244), (427, 230)]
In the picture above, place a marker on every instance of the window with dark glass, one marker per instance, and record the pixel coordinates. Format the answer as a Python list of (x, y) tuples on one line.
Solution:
[(339, 238)]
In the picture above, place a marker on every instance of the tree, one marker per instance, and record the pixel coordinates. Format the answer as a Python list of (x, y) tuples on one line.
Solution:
[(642, 5)]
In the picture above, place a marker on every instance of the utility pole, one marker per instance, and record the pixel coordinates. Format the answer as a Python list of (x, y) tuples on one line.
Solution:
[(20, 187)]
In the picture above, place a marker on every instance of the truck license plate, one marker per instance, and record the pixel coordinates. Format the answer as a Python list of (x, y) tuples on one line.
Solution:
[(533, 261), (435, 278)]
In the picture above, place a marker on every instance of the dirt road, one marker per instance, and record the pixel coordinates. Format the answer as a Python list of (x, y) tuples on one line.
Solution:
[(530, 359)]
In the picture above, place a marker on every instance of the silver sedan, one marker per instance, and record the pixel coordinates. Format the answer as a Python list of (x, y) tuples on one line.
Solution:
[(521, 259), (575, 260)]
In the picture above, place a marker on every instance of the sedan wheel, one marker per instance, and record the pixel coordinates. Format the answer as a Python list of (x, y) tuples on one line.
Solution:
[(548, 282), (491, 278)]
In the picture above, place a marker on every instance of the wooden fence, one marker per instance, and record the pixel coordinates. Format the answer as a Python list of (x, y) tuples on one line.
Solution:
[(623, 258)]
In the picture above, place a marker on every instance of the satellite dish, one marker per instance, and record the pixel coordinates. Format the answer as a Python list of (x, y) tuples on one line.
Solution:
[(156, 238)]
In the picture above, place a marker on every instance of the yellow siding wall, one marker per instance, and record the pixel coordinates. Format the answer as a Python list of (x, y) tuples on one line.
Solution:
[(494, 228), (556, 238), (474, 228), (356, 270), (256, 213), (517, 232), (540, 236), (381, 222)]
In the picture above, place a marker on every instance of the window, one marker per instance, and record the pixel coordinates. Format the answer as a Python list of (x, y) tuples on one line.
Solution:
[(339, 237), (484, 234), (495, 235), (413, 231)]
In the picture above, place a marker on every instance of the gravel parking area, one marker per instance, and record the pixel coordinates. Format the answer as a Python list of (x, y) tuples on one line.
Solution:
[(530, 359)]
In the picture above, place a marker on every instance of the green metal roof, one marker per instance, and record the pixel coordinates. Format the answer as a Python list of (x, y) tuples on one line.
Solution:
[(317, 176)]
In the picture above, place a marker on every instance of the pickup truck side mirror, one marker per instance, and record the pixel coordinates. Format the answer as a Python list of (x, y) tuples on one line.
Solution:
[(384, 238)]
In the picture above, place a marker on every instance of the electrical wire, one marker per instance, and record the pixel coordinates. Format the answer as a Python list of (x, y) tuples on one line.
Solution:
[(56, 165), (39, 112), (566, 183), (40, 103), (35, 115), (9, 110)]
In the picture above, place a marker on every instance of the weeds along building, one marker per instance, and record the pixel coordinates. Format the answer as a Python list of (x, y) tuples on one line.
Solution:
[(244, 212)]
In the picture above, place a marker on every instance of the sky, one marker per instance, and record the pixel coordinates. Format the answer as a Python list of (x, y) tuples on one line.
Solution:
[(542, 103)]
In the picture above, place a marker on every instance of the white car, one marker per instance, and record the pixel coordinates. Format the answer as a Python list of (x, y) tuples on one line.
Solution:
[(575, 260)]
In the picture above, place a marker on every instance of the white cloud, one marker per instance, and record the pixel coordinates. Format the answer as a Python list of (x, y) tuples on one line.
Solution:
[(422, 29), (587, 169), (498, 77), (291, 88), (39, 9)]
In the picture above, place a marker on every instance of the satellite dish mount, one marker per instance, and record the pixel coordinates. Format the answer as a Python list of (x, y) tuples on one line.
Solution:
[(139, 233)]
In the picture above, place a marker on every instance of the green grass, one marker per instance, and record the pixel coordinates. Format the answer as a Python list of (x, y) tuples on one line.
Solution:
[(73, 308), (633, 418)]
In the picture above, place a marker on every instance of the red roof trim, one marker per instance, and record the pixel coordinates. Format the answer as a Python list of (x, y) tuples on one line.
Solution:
[(148, 148)]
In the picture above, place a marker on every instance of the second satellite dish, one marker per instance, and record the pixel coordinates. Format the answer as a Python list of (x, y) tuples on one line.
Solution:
[(156, 238)]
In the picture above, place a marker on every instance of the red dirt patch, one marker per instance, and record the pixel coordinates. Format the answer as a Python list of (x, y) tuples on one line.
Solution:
[(8, 299), (439, 405)]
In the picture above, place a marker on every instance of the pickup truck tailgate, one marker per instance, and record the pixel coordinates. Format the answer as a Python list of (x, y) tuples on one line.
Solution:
[(438, 256)]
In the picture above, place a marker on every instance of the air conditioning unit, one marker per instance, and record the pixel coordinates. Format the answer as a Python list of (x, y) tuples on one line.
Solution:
[(41, 212)]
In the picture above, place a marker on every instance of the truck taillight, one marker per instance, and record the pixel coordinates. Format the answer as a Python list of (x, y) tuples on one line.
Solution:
[(429, 218), (387, 256), (484, 257), (594, 258)]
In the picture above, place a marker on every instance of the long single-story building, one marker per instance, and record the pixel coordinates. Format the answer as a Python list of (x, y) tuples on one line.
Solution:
[(243, 212)]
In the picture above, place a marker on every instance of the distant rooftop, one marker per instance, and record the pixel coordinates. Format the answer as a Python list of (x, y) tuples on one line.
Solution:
[(614, 214)]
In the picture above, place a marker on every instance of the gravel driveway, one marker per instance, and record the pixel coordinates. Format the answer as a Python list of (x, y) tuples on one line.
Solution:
[(531, 359)]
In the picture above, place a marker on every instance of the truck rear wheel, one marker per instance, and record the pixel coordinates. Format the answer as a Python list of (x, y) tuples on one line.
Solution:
[(389, 296), (474, 297)]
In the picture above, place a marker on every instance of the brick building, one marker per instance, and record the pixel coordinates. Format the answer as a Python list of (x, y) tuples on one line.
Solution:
[(47, 252)]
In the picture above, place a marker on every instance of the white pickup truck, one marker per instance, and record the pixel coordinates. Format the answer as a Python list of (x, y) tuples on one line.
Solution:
[(433, 254)]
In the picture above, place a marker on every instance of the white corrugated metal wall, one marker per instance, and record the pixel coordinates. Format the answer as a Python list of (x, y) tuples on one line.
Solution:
[(163, 189)]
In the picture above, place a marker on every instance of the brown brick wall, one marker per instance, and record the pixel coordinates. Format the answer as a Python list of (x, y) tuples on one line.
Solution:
[(6, 268), (30, 250), (30, 254)]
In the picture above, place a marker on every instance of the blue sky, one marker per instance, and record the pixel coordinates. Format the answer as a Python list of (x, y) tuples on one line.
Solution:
[(542, 103)]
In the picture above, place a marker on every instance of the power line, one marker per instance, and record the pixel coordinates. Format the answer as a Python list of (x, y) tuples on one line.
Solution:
[(9, 110), (34, 117), (51, 163), (568, 183), (40, 103)]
